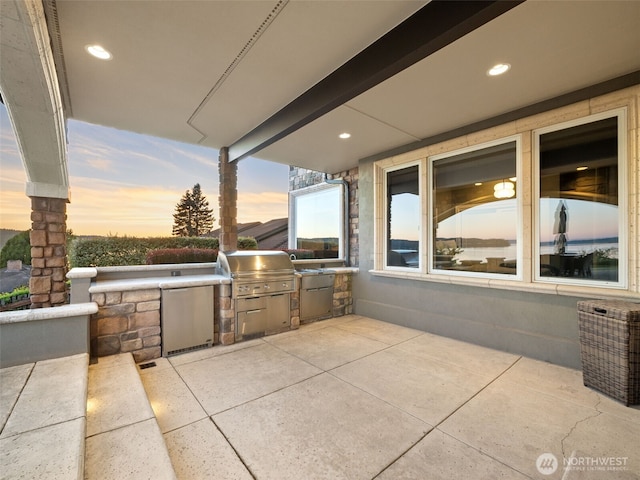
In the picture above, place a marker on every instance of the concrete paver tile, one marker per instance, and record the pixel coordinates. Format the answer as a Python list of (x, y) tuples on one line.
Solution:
[(116, 396), (482, 360), (567, 383), (322, 428), (329, 347), (427, 388), (199, 450), (215, 351), (381, 331), (171, 400), (55, 392), (12, 381), (516, 424), (53, 452), (225, 381), (441, 457), (124, 454)]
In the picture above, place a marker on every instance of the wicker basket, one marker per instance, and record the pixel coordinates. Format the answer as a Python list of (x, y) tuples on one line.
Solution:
[(610, 347)]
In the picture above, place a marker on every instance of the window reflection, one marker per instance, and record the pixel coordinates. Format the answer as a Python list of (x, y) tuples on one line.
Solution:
[(578, 207), (403, 218), (317, 215), (475, 217)]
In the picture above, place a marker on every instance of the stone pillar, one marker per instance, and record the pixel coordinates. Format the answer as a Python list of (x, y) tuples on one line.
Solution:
[(47, 285), (228, 174)]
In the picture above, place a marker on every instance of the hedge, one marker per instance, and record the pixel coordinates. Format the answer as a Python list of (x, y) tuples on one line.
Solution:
[(181, 255), (121, 251)]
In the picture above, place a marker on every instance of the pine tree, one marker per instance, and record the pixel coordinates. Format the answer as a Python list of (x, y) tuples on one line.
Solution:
[(193, 216)]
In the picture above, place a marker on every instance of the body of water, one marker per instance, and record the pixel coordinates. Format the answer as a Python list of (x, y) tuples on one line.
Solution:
[(510, 253)]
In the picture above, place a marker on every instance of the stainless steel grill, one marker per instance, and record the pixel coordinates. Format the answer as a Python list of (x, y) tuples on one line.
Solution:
[(261, 283)]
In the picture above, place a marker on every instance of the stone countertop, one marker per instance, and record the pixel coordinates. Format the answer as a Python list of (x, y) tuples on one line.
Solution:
[(63, 311), (157, 282), (343, 269), (327, 270)]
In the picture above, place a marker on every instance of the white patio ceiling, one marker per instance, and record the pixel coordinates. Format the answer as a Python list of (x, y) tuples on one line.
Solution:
[(210, 72)]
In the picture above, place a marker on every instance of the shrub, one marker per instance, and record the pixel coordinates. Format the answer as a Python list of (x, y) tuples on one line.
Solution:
[(247, 243), (19, 293), (17, 247), (121, 251), (181, 255)]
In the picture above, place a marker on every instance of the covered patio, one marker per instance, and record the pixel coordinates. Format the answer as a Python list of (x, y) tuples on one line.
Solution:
[(350, 397), (432, 373)]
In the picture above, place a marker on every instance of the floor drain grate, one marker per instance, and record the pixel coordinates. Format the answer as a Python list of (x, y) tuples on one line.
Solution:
[(147, 365)]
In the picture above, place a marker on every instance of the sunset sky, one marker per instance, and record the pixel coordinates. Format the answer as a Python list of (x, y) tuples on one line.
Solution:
[(123, 183)]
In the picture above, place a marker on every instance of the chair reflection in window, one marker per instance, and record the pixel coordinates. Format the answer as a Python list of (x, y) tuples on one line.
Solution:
[(567, 265)]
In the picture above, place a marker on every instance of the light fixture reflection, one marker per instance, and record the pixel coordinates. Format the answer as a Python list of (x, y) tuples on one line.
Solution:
[(504, 190), (580, 169)]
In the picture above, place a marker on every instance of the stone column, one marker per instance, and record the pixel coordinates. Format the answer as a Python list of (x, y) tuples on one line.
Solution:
[(47, 285), (228, 174)]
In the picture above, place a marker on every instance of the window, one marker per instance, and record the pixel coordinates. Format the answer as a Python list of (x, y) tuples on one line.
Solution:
[(580, 219), (475, 220), (548, 218), (403, 214), (317, 216)]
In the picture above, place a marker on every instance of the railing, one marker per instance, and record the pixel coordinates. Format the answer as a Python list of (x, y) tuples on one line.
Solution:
[(21, 304)]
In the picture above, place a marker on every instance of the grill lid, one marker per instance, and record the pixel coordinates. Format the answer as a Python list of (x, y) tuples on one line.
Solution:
[(254, 263)]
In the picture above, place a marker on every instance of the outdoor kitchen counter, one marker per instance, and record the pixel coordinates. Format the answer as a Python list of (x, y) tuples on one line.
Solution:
[(162, 283), (336, 270)]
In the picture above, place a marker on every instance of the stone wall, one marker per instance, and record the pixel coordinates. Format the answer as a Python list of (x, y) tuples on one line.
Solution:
[(127, 322)]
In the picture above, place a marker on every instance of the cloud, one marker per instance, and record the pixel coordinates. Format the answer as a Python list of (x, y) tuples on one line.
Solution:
[(129, 184), (15, 208), (101, 164), (262, 206), (105, 207)]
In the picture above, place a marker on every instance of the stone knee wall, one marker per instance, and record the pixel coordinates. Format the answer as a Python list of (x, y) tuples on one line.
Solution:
[(127, 322)]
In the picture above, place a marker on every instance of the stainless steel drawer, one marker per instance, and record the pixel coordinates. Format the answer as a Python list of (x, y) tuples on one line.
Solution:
[(251, 303)]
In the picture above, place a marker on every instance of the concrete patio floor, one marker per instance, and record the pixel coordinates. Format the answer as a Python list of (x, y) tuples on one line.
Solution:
[(357, 398)]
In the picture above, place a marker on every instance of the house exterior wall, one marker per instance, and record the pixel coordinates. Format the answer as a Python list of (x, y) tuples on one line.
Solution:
[(526, 319)]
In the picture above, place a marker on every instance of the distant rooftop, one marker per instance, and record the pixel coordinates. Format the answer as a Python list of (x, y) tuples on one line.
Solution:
[(271, 235)]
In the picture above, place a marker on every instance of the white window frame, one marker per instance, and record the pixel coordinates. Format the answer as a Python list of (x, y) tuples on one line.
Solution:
[(293, 215), (422, 248), (518, 276), (623, 251)]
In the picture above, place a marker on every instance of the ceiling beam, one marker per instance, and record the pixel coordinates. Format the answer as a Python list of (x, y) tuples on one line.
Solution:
[(434, 26)]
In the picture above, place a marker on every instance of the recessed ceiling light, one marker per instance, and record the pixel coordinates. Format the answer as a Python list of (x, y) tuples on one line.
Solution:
[(344, 135), (581, 168), (498, 69), (477, 184), (99, 51)]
